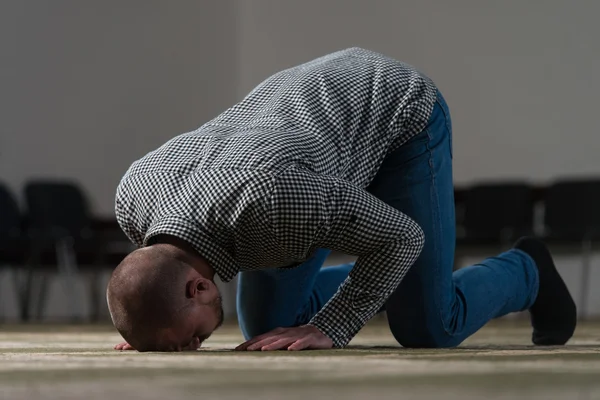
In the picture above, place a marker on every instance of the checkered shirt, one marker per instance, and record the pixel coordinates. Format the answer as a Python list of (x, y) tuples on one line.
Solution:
[(283, 173)]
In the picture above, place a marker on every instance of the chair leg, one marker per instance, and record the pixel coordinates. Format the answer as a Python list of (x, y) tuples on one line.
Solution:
[(99, 259), (42, 296), (585, 277), (67, 267), (17, 286), (25, 289), (2, 307), (94, 295)]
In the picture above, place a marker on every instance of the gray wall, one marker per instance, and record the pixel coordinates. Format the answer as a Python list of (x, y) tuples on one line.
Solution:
[(87, 87), (521, 77)]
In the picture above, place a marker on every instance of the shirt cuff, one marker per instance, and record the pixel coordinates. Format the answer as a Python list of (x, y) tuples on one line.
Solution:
[(346, 314)]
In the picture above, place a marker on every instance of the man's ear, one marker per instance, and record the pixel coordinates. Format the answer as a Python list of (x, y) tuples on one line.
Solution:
[(196, 287)]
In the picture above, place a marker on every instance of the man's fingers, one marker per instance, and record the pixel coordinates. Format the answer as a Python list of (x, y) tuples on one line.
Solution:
[(194, 345), (245, 345), (264, 342), (301, 344), (278, 344), (123, 346)]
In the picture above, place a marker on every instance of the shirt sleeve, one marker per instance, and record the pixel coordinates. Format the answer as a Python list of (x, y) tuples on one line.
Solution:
[(127, 216), (309, 211)]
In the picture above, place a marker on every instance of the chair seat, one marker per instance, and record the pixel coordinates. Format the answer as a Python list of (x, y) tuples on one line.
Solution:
[(43, 249)]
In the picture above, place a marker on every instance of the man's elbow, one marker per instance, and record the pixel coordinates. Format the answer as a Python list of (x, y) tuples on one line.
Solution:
[(415, 238)]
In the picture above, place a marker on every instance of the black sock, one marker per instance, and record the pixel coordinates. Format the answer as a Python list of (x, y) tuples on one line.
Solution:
[(553, 314)]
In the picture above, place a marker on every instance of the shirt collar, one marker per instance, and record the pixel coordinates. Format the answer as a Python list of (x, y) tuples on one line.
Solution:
[(223, 263)]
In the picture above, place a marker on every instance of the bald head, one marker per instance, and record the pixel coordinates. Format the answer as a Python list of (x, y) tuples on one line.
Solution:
[(146, 294), (157, 298)]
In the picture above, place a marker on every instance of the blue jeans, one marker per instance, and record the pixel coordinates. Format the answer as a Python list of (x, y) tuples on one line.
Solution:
[(433, 306)]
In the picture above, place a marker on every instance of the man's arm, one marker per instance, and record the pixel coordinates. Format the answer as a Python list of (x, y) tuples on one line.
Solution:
[(126, 215), (310, 211)]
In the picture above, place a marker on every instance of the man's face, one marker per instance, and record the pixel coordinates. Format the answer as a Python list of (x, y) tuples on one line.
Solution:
[(207, 318), (197, 322)]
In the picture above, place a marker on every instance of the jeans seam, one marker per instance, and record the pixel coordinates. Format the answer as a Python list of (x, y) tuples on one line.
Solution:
[(435, 200), (441, 102)]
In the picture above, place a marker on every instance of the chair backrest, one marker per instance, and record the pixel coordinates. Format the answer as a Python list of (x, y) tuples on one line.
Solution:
[(56, 206), (499, 211), (572, 209), (10, 216)]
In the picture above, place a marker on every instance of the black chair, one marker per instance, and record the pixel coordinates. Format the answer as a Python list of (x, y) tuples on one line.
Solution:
[(13, 243), (572, 217), (497, 214), (59, 224), (459, 205)]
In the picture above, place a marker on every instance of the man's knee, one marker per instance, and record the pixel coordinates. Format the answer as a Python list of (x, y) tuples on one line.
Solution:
[(256, 323), (252, 329), (427, 342), (419, 334)]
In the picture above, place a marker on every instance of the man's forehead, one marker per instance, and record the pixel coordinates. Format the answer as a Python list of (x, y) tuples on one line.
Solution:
[(174, 339)]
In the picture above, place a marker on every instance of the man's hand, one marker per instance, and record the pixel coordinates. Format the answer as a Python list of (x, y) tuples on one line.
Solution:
[(193, 346), (299, 338), (124, 346)]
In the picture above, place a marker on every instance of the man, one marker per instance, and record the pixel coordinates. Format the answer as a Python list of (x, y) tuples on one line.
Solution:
[(350, 152)]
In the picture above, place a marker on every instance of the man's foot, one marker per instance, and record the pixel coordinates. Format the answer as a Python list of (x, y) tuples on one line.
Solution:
[(553, 314)]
